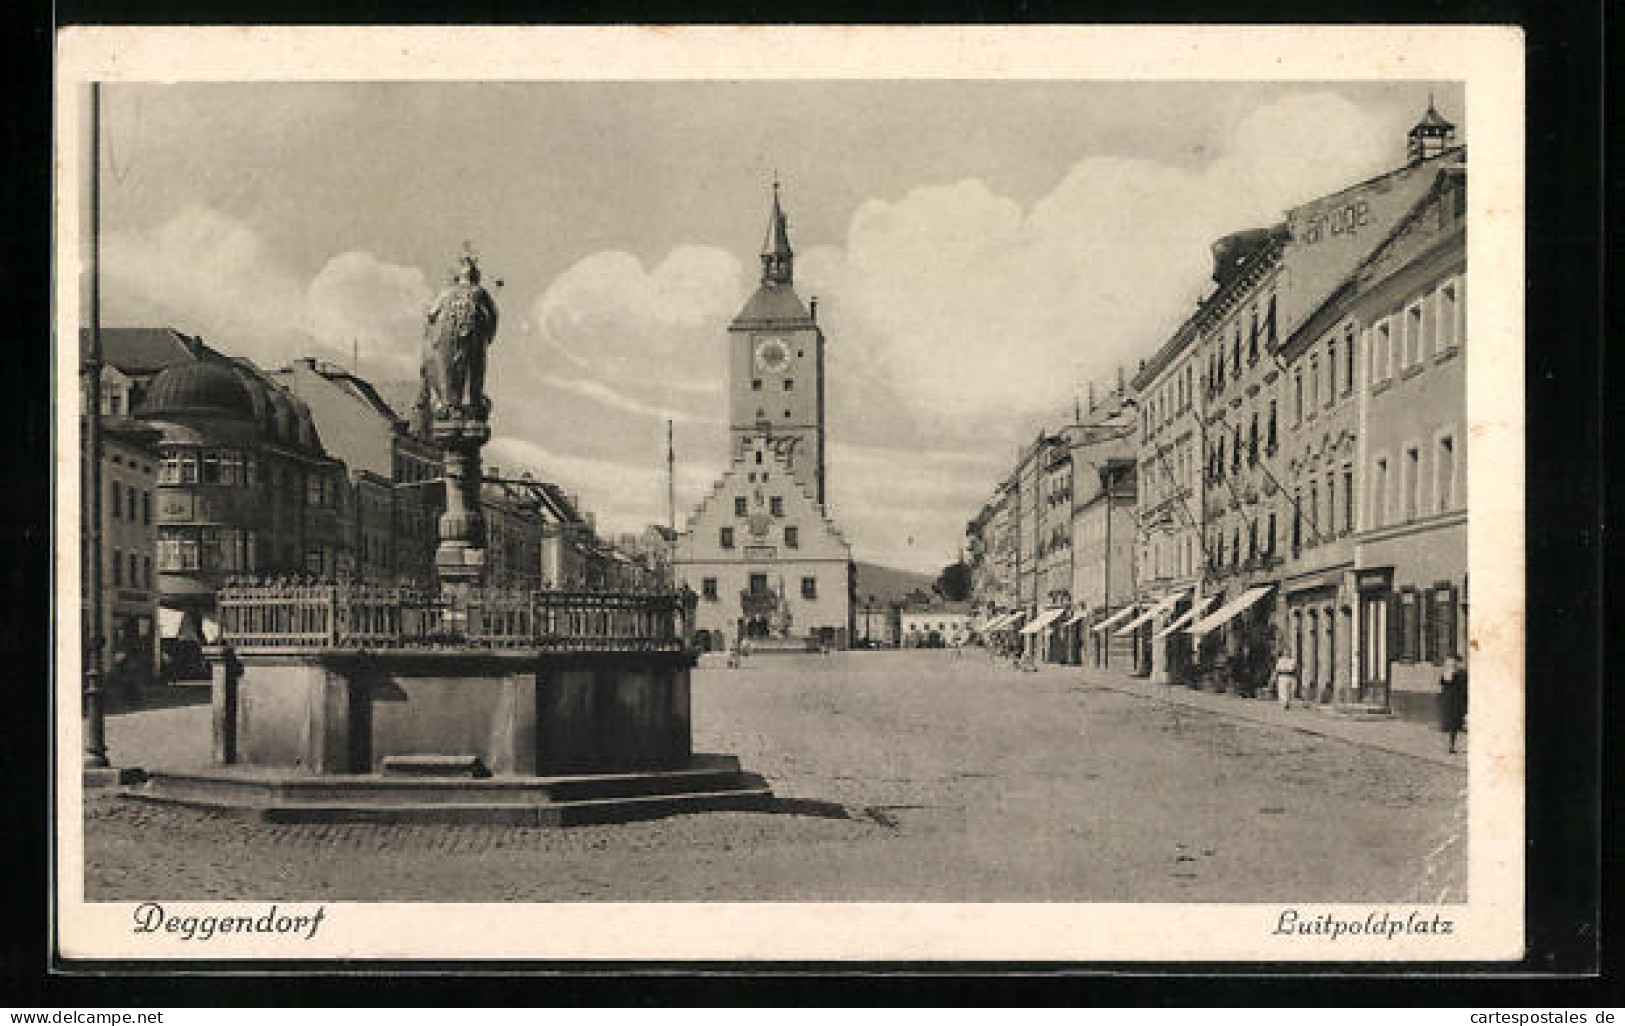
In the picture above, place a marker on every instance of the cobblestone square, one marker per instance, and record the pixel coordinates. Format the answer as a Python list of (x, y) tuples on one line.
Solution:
[(900, 776)]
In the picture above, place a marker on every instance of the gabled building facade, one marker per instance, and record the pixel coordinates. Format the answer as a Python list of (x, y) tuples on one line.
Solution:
[(761, 551)]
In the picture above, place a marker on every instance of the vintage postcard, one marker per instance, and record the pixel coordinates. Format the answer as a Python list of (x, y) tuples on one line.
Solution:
[(886, 494)]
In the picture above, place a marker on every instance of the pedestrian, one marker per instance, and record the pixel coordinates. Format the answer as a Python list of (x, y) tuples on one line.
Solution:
[(1286, 678), (1453, 699)]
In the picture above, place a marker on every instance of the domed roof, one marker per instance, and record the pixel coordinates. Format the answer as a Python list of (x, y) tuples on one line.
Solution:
[(198, 386)]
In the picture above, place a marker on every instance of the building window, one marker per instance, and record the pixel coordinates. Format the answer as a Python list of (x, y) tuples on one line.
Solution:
[(1252, 339), (725, 537), (1314, 511), (211, 468), (789, 384), (1269, 323), (1413, 335), (809, 587), (1297, 395), (1413, 481), (1270, 540), (1446, 470), (118, 568), (792, 537), (135, 571), (758, 457), (1314, 383), (1252, 441), (1379, 493), (117, 494), (1297, 520), (775, 505), (1270, 447), (1382, 352), (1348, 498), (313, 560), (1331, 370), (1252, 541), (755, 384), (1407, 622), (1442, 624), (739, 506), (1235, 451), (1449, 314), (146, 570), (1348, 359), (146, 507), (130, 504), (708, 589), (786, 414)]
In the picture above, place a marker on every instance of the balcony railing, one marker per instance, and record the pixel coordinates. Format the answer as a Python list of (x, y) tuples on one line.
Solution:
[(298, 614)]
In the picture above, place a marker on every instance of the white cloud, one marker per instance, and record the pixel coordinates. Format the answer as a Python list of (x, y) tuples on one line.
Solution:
[(358, 298), (621, 323), (208, 273)]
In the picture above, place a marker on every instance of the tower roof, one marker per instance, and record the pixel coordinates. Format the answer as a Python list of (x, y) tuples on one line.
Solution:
[(777, 240), (1433, 119)]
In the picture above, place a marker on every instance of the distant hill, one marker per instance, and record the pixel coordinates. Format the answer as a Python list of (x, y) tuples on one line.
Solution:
[(887, 584)]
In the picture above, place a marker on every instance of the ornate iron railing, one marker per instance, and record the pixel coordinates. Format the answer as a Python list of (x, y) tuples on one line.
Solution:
[(285, 614)]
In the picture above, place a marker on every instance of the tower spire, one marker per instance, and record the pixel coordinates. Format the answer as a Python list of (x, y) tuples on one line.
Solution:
[(778, 259)]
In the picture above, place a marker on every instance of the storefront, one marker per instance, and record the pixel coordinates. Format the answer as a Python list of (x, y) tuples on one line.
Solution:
[(1235, 649), (1101, 636), (1179, 654)]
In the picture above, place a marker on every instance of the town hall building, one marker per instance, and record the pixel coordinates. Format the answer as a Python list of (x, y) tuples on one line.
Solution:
[(761, 552)]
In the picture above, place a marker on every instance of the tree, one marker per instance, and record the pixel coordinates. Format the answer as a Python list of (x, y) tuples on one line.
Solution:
[(953, 584)]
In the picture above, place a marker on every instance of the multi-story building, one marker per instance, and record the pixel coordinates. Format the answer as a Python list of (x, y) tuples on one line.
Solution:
[(394, 472), (1170, 492), (244, 486), (129, 599), (1256, 505), (1104, 488), (934, 625), (1377, 595), (761, 551)]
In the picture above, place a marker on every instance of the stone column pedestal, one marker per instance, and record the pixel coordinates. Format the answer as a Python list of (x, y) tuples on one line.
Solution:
[(460, 558)]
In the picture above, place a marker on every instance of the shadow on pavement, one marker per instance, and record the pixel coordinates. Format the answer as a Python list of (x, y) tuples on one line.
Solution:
[(806, 807), (156, 696)]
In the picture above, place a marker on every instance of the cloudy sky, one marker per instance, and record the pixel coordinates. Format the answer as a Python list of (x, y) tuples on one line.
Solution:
[(980, 250)]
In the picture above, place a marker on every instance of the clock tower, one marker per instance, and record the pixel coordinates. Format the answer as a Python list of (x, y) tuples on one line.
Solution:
[(776, 366)]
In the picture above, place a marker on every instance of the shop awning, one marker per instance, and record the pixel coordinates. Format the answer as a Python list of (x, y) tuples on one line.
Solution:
[(1001, 622), (1187, 616), (1230, 610), (1078, 617), (1168, 602), (1044, 619), (1116, 618)]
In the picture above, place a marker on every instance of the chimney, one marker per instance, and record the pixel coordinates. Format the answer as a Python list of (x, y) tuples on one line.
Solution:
[(812, 308)]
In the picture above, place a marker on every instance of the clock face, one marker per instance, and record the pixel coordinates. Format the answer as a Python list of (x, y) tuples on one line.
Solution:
[(772, 355)]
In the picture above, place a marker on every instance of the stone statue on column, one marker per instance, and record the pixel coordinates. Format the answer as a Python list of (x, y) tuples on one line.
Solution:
[(461, 325)]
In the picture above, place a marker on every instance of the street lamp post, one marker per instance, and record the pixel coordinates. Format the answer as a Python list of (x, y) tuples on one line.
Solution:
[(95, 754)]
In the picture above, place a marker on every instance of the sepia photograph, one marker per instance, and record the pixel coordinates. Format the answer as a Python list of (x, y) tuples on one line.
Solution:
[(594, 493)]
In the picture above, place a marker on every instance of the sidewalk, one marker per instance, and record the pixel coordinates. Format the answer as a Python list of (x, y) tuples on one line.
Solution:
[(1402, 737)]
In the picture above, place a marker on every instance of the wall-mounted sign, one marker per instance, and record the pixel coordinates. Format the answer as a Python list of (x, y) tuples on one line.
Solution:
[(761, 553), (1344, 220)]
